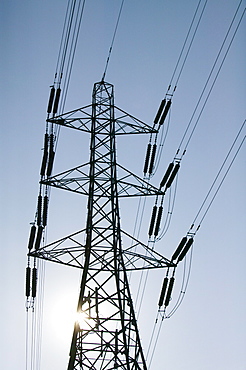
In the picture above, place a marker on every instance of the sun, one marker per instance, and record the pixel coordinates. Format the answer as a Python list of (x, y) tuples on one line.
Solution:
[(83, 319)]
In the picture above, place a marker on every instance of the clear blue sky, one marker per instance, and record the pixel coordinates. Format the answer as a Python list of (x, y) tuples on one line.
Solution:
[(208, 330)]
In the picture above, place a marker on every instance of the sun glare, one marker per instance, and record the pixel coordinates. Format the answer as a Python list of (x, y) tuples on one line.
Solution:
[(83, 319)]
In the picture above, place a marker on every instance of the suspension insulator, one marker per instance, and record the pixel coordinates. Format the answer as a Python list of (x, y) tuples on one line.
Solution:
[(45, 210), (151, 166), (45, 155), (163, 291), (179, 248), (185, 250), (28, 280), (167, 107), (39, 212), (51, 141), (50, 163), (158, 221), (146, 163), (44, 162), (152, 222), (34, 282), (51, 99), (172, 176), (39, 237), (167, 174), (32, 237), (169, 291), (51, 156), (159, 112), (57, 98)]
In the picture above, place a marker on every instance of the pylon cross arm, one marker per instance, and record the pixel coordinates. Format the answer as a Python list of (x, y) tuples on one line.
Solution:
[(71, 251), (80, 119), (77, 180)]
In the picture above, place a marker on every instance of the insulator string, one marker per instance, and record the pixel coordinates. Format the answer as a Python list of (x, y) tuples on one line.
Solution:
[(37, 320), (161, 145), (169, 211), (179, 301), (184, 285), (163, 138), (211, 88), (186, 278)]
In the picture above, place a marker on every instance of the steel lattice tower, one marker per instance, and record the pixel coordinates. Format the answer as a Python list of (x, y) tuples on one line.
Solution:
[(108, 338)]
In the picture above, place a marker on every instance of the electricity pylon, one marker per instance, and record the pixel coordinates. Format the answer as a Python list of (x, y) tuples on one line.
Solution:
[(106, 336)]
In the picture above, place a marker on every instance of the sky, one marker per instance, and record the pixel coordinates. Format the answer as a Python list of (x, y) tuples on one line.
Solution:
[(208, 330)]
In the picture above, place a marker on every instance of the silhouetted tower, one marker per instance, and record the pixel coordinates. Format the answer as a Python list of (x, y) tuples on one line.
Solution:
[(106, 336)]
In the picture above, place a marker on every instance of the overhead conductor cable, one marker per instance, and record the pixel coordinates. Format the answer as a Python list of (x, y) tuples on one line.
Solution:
[(188, 242), (185, 244), (208, 79), (165, 105), (219, 172), (55, 103), (112, 42)]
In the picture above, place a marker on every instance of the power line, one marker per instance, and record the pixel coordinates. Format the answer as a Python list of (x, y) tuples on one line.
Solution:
[(219, 172), (183, 286), (208, 79), (186, 278), (152, 161), (191, 42), (69, 67), (74, 42), (221, 182), (112, 42)]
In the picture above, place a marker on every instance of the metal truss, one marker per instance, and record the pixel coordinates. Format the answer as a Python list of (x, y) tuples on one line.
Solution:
[(70, 251), (77, 180), (106, 334), (80, 119)]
